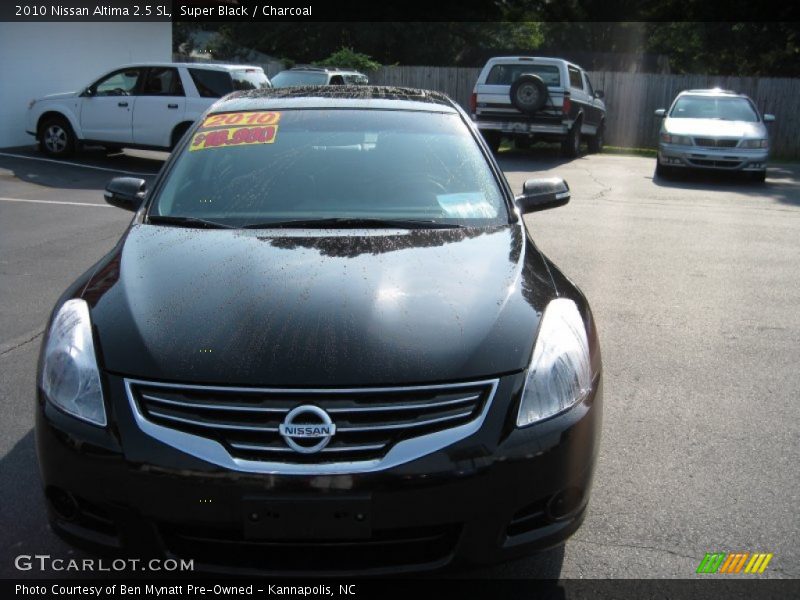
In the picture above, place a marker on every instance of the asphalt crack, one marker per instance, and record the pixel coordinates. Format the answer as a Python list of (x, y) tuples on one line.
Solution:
[(19, 343), (636, 547), (604, 189)]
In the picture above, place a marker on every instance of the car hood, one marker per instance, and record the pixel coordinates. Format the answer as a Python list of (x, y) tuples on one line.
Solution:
[(59, 96), (318, 307), (714, 128)]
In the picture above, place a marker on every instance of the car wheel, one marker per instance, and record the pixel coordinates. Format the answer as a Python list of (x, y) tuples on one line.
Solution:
[(493, 139), (759, 176), (596, 141), (56, 137), (571, 147), (177, 134), (528, 93), (663, 171)]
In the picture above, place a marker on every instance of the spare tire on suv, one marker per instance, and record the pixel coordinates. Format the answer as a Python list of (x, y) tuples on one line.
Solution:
[(528, 93)]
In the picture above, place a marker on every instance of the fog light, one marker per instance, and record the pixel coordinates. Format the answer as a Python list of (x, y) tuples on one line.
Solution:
[(565, 503), (63, 503)]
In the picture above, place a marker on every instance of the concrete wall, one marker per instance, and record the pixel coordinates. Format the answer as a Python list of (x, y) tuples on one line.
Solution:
[(45, 58)]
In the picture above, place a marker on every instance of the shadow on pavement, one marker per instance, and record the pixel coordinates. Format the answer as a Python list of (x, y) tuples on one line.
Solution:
[(782, 184), (22, 511), (90, 168), (536, 158)]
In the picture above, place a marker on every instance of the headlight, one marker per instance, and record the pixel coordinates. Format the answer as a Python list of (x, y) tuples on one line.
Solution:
[(681, 140), (560, 374), (756, 143), (70, 378)]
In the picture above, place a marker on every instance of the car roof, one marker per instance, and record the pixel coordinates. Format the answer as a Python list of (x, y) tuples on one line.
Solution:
[(324, 69), (711, 92), (193, 65), (338, 96), (530, 59)]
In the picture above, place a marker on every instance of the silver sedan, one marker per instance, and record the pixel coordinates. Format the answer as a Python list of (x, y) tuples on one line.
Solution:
[(713, 129)]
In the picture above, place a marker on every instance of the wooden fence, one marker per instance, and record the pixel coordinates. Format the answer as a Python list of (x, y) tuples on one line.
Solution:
[(631, 99)]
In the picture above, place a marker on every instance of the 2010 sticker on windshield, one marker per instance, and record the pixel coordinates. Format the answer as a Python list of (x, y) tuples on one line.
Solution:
[(236, 129), (261, 117)]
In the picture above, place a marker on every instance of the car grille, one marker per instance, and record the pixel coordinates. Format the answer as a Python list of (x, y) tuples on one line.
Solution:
[(419, 547), (724, 164), (716, 143), (369, 421)]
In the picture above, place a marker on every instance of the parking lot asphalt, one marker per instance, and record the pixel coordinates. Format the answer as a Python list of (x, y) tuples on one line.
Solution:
[(695, 287)]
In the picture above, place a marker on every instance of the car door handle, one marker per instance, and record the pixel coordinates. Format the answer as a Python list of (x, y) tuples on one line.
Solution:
[(172, 106), (122, 104)]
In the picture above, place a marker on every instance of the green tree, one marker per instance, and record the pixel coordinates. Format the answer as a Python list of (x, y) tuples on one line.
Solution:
[(347, 57)]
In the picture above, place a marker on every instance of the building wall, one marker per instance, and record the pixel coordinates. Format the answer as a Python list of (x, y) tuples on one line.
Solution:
[(46, 58)]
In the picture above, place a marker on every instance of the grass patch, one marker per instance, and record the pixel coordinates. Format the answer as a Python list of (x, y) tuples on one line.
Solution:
[(507, 145)]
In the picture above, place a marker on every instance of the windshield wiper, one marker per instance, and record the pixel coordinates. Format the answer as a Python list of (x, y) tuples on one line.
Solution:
[(187, 222), (345, 222)]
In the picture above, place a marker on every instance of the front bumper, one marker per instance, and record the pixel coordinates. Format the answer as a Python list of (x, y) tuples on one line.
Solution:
[(698, 157), (498, 494)]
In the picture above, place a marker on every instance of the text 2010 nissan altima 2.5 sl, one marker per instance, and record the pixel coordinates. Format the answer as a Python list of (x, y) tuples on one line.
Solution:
[(326, 343)]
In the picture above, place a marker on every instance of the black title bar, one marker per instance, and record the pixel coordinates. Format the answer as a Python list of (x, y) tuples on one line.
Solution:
[(199, 11)]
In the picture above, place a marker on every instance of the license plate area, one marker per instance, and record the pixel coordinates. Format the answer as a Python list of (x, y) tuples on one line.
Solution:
[(303, 518)]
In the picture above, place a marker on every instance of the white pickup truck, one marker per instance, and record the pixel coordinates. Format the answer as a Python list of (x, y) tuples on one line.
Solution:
[(137, 106)]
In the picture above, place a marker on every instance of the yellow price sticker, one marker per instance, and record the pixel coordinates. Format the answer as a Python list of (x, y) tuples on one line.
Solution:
[(233, 136)]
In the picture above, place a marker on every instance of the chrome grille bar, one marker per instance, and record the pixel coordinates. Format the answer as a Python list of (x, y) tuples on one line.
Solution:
[(409, 424), (353, 448), (197, 423), (405, 406), (231, 407)]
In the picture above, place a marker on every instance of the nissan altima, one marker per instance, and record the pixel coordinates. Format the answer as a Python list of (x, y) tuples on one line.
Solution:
[(326, 343)]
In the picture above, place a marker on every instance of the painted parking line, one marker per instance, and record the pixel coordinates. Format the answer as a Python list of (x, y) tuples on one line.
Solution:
[(74, 164), (55, 202)]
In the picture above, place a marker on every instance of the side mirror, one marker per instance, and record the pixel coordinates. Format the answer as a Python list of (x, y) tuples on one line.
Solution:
[(599, 94), (540, 194), (768, 118), (126, 192), (88, 92), (661, 112)]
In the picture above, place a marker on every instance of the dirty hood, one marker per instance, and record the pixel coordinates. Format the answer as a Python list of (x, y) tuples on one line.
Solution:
[(339, 307)]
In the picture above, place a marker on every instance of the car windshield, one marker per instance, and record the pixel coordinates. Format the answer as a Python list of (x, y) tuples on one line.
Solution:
[(508, 74), (710, 107), (290, 78), (265, 168), (249, 79)]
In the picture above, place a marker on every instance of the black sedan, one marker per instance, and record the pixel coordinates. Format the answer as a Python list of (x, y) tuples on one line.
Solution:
[(326, 343)]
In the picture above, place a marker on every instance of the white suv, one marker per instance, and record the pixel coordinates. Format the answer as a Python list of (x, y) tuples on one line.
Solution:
[(532, 98), (136, 106)]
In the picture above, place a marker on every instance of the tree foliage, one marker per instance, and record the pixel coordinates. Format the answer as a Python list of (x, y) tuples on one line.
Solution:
[(347, 57), (702, 46)]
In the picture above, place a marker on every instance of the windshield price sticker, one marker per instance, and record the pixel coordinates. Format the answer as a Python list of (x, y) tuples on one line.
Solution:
[(233, 136), (241, 118)]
